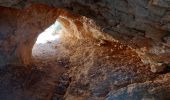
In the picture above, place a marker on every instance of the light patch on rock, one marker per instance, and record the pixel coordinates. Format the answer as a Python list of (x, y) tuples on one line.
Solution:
[(157, 68)]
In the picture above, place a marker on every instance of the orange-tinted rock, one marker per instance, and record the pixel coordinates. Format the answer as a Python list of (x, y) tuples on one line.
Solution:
[(19, 30)]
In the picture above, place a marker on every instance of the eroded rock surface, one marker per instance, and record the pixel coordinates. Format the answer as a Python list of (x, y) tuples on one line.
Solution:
[(19, 30), (142, 24), (108, 56)]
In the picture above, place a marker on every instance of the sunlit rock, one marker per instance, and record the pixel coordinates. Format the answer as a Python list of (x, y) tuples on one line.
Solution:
[(107, 49)]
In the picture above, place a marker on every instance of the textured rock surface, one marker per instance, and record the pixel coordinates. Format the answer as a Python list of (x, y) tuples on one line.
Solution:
[(100, 67), (142, 91), (19, 30), (142, 24)]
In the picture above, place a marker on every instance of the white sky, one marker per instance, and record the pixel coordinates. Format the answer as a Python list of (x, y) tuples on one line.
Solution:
[(48, 34)]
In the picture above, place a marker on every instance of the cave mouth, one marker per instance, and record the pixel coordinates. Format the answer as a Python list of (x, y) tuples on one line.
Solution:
[(44, 47)]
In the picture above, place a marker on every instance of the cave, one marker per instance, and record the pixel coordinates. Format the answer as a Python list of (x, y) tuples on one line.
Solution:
[(84, 49)]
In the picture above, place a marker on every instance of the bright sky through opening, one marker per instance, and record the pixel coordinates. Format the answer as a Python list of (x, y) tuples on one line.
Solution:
[(50, 34)]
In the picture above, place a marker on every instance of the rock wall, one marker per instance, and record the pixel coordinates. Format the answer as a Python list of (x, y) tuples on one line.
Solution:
[(119, 73), (142, 24), (19, 30)]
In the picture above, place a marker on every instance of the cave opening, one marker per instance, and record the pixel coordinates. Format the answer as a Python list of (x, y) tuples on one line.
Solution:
[(80, 58), (44, 47)]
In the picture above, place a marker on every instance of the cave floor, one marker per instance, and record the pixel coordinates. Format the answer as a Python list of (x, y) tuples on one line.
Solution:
[(46, 51), (83, 70)]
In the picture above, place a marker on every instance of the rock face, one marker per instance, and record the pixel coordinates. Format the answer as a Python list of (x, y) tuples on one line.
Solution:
[(112, 43), (19, 30), (141, 91), (142, 24)]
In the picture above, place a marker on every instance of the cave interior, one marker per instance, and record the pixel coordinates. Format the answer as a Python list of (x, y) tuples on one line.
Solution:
[(84, 49)]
